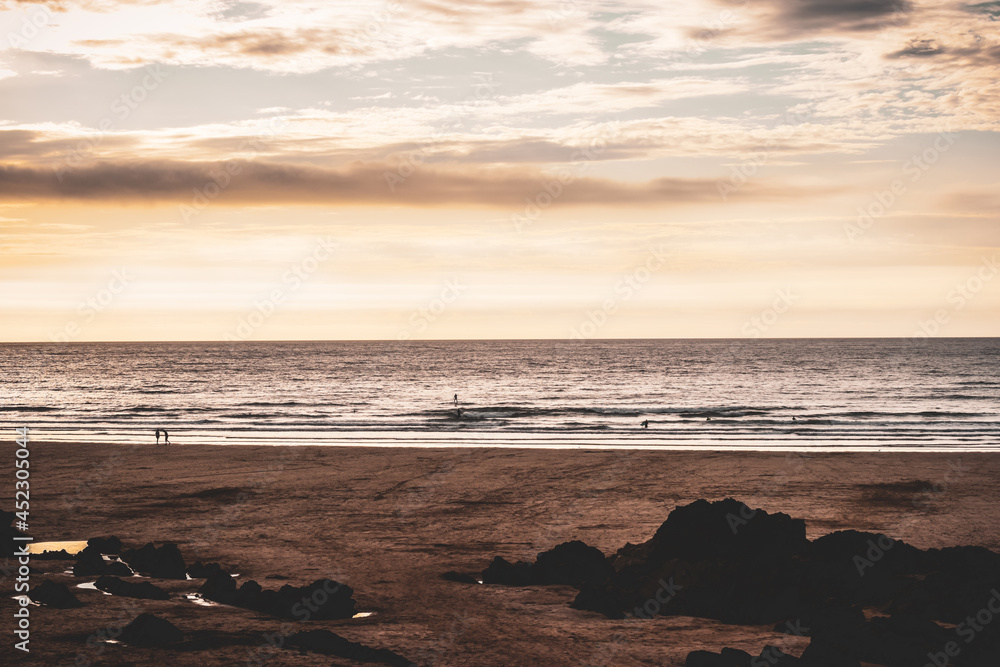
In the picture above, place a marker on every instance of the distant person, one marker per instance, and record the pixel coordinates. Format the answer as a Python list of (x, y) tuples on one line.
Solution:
[(166, 438), (157, 436), (645, 424), (456, 400)]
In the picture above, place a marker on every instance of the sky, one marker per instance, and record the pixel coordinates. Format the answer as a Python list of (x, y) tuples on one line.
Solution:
[(437, 169)]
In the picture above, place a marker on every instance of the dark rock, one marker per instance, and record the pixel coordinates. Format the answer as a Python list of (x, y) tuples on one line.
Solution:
[(204, 571), (219, 587), (727, 658), (143, 590), (458, 577), (62, 554), (328, 643), (571, 564), (116, 568), (771, 656), (149, 631), (51, 594), (89, 563), (106, 545), (727, 529), (900, 641), (599, 599), (501, 571), (321, 600), (164, 562), (821, 653)]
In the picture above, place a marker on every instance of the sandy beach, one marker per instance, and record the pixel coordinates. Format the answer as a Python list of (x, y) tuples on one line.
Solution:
[(389, 522)]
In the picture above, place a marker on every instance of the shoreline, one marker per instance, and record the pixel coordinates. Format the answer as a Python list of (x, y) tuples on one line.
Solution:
[(390, 521), (537, 441)]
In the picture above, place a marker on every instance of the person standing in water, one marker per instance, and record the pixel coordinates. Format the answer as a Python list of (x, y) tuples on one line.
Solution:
[(645, 424), (456, 400)]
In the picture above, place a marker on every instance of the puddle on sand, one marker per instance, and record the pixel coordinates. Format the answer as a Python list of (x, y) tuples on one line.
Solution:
[(30, 601), (91, 586), (73, 547), (200, 601)]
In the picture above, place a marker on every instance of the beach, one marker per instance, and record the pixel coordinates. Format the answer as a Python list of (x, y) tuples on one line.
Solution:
[(389, 521)]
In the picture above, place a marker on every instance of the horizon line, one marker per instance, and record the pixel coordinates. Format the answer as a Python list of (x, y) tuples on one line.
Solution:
[(499, 340)]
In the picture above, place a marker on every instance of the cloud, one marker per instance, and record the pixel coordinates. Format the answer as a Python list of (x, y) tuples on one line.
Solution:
[(980, 200), (268, 182), (821, 16), (308, 36)]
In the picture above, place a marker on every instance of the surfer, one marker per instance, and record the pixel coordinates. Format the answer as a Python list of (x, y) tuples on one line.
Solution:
[(645, 424)]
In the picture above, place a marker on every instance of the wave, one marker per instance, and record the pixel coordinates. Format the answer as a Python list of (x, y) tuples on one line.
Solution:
[(287, 404), (510, 411)]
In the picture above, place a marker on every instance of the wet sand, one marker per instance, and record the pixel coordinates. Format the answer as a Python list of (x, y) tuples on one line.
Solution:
[(388, 522)]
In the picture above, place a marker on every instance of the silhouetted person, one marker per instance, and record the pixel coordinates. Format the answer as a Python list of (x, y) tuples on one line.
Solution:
[(166, 438), (645, 424), (456, 400), (157, 436)]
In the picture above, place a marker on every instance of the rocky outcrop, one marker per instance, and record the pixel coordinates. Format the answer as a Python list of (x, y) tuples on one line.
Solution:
[(151, 631), (143, 590), (62, 554), (861, 597), (328, 643), (725, 561), (459, 577), (569, 564), (205, 570), (52, 594), (321, 600), (89, 563), (106, 545), (116, 568), (163, 562), (770, 656)]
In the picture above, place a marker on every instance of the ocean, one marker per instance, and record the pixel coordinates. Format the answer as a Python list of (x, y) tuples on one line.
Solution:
[(714, 394)]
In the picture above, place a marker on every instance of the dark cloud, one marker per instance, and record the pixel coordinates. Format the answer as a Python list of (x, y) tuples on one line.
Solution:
[(919, 48), (801, 19), (853, 14), (262, 182), (977, 55), (276, 43)]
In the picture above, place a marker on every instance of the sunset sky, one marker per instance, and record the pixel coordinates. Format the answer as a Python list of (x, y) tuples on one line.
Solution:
[(498, 169)]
